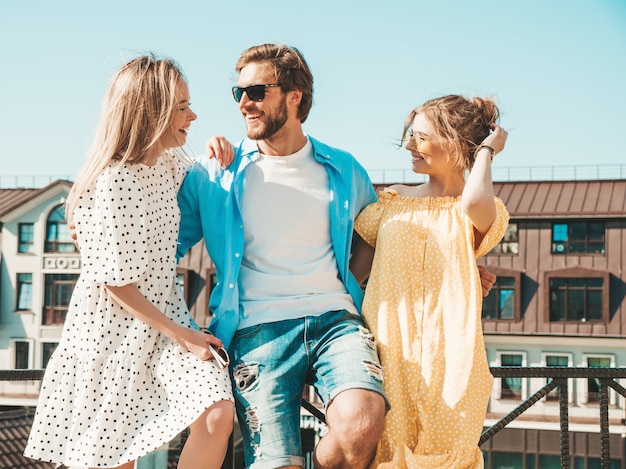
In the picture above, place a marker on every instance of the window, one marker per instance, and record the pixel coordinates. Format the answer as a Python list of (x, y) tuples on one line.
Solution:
[(180, 278), (500, 303), (58, 237), (25, 237), (21, 357), (511, 388), (557, 360), (24, 292), (510, 241), (184, 279), (508, 460), (58, 292), (593, 384), (47, 351), (504, 299), (577, 237), (595, 463), (576, 299), (549, 461), (576, 294)]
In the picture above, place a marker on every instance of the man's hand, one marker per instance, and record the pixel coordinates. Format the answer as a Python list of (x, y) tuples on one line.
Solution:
[(487, 279), (220, 149)]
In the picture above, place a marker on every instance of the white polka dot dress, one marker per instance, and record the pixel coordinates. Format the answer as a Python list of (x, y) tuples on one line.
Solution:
[(423, 304), (116, 389)]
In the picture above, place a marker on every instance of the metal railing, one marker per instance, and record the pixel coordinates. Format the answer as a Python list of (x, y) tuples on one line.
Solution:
[(558, 381), (515, 173), (389, 176)]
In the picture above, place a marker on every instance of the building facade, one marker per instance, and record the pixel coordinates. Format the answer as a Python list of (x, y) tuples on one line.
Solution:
[(38, 270), (39, 266), (559, 301)]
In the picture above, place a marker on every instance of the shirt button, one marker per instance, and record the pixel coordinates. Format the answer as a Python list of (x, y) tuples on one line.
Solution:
[(236, 254), (231, 286)]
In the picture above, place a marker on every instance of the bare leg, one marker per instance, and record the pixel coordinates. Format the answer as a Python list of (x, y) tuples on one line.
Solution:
[(356, 419), (206, 445)]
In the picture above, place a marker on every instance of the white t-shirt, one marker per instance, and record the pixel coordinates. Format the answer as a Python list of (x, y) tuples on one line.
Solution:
[(289, 268)]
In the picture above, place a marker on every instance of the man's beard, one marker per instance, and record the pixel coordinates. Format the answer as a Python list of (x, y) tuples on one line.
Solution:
[(273, 124)]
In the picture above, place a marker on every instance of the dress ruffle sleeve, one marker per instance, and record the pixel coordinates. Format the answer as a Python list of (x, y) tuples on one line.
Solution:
[(496, 232), (112, 233), (368, 221)]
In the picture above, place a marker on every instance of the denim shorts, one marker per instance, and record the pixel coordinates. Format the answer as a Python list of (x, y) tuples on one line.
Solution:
[(270, 364)]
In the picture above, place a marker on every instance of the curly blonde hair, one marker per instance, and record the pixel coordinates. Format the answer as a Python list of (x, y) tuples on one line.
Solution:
[(460, 124)]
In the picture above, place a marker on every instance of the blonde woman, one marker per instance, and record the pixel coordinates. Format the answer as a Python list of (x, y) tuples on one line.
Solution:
[(130, 373), (423, 298)]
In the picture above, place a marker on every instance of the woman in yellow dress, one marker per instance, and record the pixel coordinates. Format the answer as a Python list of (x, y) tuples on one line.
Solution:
[(423, 297)]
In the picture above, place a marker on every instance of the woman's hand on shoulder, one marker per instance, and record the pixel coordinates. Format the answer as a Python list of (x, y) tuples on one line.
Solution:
[(221, 149)]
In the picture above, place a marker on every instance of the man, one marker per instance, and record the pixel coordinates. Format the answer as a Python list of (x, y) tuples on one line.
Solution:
[(286, 304)]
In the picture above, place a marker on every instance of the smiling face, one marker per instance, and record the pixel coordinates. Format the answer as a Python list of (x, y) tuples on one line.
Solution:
[(428, 155), (181, 118), (267, 117)]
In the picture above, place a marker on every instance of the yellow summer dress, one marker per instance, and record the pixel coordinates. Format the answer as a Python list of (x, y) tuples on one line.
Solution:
[(423, 303)]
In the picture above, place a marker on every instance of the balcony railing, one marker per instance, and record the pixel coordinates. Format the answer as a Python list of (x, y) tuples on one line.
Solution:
[(388, 176), (556, 385), (558, 377), (515, 173)]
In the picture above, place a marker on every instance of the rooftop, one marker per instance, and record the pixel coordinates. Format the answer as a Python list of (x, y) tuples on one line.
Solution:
[(11, 199), (15, 426)]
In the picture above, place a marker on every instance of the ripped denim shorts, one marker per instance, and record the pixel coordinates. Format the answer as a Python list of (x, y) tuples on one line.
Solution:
[(270, 364)]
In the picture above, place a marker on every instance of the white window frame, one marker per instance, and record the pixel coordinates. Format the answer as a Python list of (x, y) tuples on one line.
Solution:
[(41, 346), (585, 382), (18, 292), (497, 383), (14, 343), (570, 363)]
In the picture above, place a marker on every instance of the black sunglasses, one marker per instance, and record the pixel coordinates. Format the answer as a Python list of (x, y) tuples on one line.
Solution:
[(218, 353), (255, 92)]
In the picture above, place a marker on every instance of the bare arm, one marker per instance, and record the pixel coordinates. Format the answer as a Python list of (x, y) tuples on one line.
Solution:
[(477, 199), (361, 260), (133, 301)]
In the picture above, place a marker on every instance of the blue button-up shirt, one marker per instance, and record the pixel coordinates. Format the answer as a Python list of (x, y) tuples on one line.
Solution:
[(210, 206)]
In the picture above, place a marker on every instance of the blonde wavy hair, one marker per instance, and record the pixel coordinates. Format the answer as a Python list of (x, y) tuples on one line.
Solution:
[(136, 112), (460, 124)]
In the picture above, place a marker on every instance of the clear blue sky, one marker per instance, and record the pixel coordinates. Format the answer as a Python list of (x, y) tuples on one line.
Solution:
[(557, 68)]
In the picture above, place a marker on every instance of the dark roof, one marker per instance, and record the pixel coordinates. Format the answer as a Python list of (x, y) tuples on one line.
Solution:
[(10, 199), (13, 198), (532, 200), (564, 198), (14, 429)]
